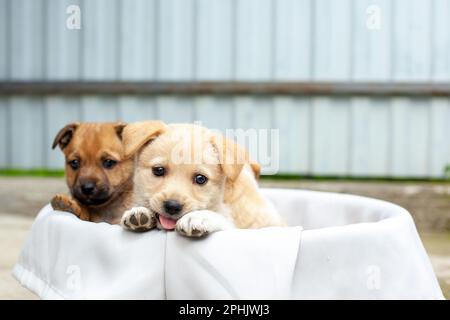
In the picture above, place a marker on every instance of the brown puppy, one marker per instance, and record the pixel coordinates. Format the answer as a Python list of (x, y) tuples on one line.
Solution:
[(195, 181), (99, 172)]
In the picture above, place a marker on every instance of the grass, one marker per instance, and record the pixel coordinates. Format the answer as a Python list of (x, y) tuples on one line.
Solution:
[(31, 173), (447, 171), (290, 177)]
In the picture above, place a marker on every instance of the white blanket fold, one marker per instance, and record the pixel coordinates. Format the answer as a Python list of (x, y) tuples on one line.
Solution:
[(351, 248)]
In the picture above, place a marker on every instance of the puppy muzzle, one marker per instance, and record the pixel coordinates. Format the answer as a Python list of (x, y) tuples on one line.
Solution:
[(94, 197)]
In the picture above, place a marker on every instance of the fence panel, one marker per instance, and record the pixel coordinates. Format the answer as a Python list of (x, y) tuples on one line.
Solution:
[(225, 40)]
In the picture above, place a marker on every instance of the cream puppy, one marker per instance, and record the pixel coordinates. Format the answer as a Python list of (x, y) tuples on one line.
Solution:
[(192, 180)]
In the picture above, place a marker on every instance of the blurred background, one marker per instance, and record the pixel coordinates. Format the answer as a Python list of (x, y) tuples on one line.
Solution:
[(358, 89)]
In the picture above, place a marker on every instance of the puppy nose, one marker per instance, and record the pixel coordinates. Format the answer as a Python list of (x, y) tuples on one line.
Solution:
[(172, 206), (88, 188)]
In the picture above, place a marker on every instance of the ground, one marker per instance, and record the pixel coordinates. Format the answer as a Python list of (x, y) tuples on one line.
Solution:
[(429, 203), (13, 230)]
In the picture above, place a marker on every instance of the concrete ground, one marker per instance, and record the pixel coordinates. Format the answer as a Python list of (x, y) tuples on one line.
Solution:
[(13, 230), (429, 203)]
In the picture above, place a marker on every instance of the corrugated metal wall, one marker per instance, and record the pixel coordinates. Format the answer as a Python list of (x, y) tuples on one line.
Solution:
[(257, 40)]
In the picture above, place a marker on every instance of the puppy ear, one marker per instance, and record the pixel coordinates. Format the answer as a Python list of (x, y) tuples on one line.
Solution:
[(136, 135), (232, 157), (64, 135), (256, 168), (118, 127)]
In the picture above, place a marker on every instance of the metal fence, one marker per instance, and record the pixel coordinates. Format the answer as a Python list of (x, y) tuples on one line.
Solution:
[(396, 133)]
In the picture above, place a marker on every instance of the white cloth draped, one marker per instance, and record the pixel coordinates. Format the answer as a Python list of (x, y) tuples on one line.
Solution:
[(352, 248)]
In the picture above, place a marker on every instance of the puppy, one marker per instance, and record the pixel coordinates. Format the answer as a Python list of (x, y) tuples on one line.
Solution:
[(98, 171), (193, 180)]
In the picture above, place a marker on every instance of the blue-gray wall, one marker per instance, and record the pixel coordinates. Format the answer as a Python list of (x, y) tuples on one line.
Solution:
[(257, 40)]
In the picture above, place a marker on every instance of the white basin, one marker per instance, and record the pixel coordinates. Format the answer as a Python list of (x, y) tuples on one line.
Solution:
[(350, 247)]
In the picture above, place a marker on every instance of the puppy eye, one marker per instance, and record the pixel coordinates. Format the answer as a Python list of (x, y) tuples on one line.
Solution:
[(158, 171), (200, 179), (109, 163), (74, 164)]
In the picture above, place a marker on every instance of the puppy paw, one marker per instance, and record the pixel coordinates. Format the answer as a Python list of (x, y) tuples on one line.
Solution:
[(138, 219), (201, 223), (62, 202)]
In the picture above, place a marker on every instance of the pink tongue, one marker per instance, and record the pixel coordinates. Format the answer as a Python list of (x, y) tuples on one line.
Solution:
[(167, 223)]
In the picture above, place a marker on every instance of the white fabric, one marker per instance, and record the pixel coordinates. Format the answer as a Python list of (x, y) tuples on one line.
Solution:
[(352, 248)]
